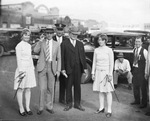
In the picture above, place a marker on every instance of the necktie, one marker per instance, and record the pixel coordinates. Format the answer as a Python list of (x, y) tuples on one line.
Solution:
[(47, 51), (136, 57)]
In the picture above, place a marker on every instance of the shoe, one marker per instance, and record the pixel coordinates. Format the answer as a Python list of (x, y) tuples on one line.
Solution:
[(108, 115), (39, 112), (22, 114), (115, 86), (67, 108), (79, 108), (135, 103), (100, 111), (143, 106), (147, 113), (50, 111), (29, 112)]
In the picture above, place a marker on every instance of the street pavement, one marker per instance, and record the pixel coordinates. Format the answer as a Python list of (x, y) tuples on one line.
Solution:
[(121, 111)]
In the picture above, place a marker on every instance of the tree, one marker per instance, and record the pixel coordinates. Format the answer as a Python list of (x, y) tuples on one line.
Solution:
[(67, 21)]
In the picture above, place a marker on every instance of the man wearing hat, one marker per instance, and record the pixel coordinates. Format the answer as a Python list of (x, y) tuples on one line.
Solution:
[(49, 53), (73, 65), (122, 68), (59, 37)]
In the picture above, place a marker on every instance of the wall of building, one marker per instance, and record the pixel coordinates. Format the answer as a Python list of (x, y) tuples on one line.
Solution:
[(25, 15)]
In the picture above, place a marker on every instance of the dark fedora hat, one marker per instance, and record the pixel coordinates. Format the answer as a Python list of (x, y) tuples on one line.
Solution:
[(120, 55), (49, 29), (74, 30), (60, 26)]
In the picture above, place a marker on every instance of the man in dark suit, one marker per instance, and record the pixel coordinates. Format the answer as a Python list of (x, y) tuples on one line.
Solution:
[(139, 71), (62, 81), (73, 65)]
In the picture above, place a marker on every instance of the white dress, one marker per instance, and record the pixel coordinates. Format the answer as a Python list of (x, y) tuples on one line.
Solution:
[(24, 64), (103, 62)]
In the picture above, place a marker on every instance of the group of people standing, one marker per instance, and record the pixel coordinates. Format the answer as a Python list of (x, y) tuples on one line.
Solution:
[(63, 58), (60, 58)]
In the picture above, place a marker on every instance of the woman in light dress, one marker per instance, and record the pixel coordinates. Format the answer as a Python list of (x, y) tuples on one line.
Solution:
[(25, 66), (102, 72)]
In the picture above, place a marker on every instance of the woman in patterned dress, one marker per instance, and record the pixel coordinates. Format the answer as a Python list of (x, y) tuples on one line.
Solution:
[(25, 66), (102, 72)]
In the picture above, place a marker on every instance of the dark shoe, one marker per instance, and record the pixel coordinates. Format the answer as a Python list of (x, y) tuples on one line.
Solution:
[(115, 86), (29, 112), (22, 114), (147, 113), (99, 111), (135, 103), (67, 108), (39, 112), (79, 108), (143, 106), (108, 115), (50, 111)]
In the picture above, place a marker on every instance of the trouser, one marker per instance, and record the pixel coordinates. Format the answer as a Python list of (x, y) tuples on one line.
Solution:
[(62, 88), (128, 75), (139, 86), (140, 93), (74, 79), (46, 84)]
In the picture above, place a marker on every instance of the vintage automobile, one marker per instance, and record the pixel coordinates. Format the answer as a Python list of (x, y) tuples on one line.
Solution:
[(118, 41), (10, 37)]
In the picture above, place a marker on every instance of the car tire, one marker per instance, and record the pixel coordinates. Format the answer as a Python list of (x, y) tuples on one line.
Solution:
[(1, 50), (86, 77)]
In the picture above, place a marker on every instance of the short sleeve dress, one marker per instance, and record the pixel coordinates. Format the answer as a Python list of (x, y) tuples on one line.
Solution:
[(103, 62), (24, 64)]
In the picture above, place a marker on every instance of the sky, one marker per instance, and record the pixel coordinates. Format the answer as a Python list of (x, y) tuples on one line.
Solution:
[(111, 11)]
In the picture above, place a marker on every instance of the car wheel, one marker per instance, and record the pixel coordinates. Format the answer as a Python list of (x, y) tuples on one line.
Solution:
[(1, 50), (86, 77)]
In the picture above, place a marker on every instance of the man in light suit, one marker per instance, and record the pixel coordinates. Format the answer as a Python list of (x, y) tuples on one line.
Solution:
[(48, 66), (73, 65), (59, 37), (147, 75)]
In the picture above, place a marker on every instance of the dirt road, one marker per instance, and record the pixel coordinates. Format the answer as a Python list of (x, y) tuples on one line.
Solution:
[(122, 111)]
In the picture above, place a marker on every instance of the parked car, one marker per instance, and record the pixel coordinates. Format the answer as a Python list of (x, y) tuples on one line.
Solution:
[(118, 41), (9, 38)]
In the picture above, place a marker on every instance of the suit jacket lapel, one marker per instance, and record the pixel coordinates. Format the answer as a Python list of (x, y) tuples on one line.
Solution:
[(44, 46)]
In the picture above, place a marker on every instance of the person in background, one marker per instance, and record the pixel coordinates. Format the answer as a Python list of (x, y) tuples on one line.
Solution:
[(73, 65), (48, 66), (122, 68), (24, 65), (147, 74), (102, 74), (59, 37), (139, 71)]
